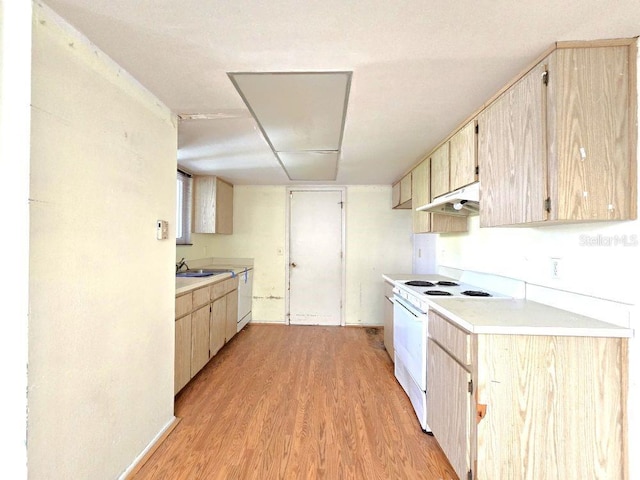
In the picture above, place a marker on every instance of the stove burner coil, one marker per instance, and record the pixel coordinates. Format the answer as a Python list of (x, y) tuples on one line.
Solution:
[(446, 283), (476, 293), (437, 293), (419, 283)]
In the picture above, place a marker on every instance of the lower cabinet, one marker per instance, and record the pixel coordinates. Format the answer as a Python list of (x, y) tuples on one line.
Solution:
[(182, 368), (199, 339), (232, 314), (206, 319), (218, 325), (388, 319), (449, 407), (527, 406)]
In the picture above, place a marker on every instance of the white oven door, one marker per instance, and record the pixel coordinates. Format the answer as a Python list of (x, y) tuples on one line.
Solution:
[(410, 339)]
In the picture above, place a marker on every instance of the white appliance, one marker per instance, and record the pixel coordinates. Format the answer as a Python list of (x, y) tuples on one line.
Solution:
[(464, 201), (411, 330), (245, 296), (410, 354)]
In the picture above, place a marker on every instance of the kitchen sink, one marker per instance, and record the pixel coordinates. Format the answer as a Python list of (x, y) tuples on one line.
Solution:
[(202, 272)]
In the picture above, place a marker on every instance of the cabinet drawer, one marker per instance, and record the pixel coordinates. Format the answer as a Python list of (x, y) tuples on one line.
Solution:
[(453, 339), (183, 305), (220, 289), (201, 297)]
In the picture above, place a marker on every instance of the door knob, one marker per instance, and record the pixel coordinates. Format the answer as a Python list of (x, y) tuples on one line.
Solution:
[(293, 265)]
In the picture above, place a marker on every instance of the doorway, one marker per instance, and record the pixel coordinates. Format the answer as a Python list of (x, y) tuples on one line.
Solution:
[(315, 267)]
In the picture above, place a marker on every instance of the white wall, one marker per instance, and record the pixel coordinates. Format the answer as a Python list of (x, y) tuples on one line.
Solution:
[(15, 92), (101, 326), (378, 240), (597, 260)]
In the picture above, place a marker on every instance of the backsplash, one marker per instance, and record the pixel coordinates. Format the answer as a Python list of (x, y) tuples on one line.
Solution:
[(595, 260), (595, 264)]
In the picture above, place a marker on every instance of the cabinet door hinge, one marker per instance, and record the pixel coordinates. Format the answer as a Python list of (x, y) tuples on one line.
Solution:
[(547, 204), (545, 77), (477, 128), (470, 475), (470, 388), (477, 170)]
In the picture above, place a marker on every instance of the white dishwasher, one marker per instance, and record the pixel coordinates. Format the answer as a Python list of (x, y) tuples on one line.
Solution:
[(245, 296)]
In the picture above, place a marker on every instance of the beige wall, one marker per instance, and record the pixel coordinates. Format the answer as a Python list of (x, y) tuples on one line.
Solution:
[(15, 90), (600, 270), (258, 233), (101, 328), (378, 240)]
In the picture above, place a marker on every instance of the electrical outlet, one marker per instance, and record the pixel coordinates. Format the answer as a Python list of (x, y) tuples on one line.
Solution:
[(556, 268)]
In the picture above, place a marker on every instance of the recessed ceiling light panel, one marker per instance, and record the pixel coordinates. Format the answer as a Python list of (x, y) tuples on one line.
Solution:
[(301, 114)]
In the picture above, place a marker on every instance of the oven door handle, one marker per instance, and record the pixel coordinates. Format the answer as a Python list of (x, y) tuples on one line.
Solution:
[(400, 301)]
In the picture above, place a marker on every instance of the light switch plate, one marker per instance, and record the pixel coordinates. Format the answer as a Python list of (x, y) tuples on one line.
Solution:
[(162, 230)]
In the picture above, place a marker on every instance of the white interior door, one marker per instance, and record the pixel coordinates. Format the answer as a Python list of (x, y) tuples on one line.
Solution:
[(315, 257)]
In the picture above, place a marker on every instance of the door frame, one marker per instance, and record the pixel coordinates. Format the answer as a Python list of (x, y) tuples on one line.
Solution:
[(315, 188)]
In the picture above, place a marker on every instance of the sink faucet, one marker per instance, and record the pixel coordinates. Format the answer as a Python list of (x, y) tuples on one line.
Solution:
[(181, 264)]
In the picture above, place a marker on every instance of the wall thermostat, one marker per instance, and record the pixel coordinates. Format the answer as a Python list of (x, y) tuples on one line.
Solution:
[(162, 230)]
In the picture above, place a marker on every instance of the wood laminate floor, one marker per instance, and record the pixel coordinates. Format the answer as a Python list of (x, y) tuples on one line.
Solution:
[(297, 402)]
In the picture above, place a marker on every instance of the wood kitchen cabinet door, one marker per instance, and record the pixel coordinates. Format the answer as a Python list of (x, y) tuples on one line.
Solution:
[(402, 193), (463, 158), (199, 339), (560, 144), (421, 188), (440, 171), (441, 223), (182, 359), (232, 315), (592, 161), (425, 222), (218, 325), (449, 407), (212, 205), (512, 154), (406, 194), (395, 195), (555, 407)]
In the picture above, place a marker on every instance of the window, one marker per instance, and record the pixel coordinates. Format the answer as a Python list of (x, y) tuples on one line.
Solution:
[(183, 209)]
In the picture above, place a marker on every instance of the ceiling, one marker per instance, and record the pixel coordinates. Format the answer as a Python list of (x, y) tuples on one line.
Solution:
[(419, 67)]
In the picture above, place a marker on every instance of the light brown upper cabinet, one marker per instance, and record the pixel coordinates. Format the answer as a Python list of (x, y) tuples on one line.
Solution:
[(401, 193), (439, 171), (425, 222), (212, 205), (463, 157), (421, 188), (560, 144), (454, 163)]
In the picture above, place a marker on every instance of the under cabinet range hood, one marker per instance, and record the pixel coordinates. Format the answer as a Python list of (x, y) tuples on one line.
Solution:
[(461, 202)]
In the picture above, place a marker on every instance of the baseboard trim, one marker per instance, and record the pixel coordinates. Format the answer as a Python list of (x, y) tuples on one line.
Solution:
[(146, 454)]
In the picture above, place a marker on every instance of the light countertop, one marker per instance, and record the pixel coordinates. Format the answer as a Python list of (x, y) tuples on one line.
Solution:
[(509, 316), (522, 317), (396, 277), (187, 284)]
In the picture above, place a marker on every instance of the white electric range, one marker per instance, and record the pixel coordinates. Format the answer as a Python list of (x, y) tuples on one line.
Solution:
[(411, 329)]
